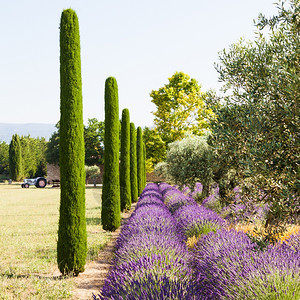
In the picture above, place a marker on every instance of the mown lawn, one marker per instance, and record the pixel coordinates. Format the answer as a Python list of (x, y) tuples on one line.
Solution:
[(28, 236)]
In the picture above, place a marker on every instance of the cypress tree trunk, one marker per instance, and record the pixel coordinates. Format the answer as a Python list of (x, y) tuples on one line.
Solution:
[(133, 164), (125, 186), (72, 237), (140, 160), (111, 207), (15, 158)]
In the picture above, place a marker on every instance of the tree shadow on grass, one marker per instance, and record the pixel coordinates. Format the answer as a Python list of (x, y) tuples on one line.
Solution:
[(12, 275)]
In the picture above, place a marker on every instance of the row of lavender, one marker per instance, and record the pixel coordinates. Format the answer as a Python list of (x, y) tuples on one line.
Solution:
[(226, 264), (152, 261), (151, 258)]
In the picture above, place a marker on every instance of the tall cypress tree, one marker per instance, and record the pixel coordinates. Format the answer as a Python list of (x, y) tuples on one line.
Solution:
[(140, 160), (144, 161), (72, 237), (125, 186), (133, 164), (111, 207), (15, 158)]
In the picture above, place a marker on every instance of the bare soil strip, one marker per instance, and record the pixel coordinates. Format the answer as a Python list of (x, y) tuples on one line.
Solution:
[(92, 279)]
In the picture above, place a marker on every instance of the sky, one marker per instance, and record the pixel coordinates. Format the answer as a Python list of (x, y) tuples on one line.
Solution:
[(141, 43)]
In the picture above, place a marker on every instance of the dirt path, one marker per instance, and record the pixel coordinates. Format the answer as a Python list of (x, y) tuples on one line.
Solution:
[(92, 279)]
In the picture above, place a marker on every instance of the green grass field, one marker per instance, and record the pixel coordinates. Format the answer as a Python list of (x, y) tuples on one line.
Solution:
[(28, 236)]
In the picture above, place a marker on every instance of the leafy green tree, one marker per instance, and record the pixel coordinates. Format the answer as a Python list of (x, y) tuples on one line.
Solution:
[(94, 142), (125, 185), (52, 151), (28, 164), (4, 158), (41, 147), (257, 126), (111, 207), (133, 164), (33, 156), (15, 158), (72, 236), (140, 160), (155, 147), (180, 108), (92, 172)]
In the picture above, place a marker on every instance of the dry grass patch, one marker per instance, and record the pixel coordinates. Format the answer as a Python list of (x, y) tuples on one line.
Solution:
[(28, 236)]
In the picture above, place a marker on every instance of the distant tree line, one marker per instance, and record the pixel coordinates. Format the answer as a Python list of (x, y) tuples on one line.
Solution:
[(23, 157), (35, 153)]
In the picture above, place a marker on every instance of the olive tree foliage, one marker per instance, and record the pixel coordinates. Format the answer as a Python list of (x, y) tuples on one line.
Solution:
[(188, 161), (180, 108), (256, 131)]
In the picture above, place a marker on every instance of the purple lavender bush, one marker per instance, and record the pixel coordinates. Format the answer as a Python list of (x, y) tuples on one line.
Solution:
[(273, 275), (185, 189), (294, 242), (175, 199), (227, 265), (151, 258), (163, 187), (219, 259), (243, 210), (197, 191), (195, 220)]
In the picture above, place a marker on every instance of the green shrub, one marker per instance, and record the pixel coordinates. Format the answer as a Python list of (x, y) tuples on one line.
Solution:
[(72, 236)]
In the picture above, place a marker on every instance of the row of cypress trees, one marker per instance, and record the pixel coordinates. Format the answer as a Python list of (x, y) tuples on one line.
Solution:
[(72, 236), (123, 181)]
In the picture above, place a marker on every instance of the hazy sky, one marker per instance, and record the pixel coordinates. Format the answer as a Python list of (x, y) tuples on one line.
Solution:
[(141, 43)]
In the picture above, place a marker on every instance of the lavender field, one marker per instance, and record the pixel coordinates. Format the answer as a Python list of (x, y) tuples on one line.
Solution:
[(155, 259)]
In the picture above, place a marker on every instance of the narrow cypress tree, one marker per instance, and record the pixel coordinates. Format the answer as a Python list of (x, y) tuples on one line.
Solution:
[(125, 186), (133, 164), (140, 160), (72, 237), (144, 160), (111, 207), (15, 158)]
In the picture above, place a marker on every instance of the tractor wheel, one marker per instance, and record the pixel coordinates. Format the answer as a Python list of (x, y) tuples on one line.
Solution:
[(22, 185), (41, 183), (26, 185)]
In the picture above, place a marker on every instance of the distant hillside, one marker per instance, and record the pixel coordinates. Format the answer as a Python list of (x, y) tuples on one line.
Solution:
[(34, 129)]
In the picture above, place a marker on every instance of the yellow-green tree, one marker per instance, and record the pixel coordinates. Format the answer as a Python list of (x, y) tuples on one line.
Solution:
[(180, 108)]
